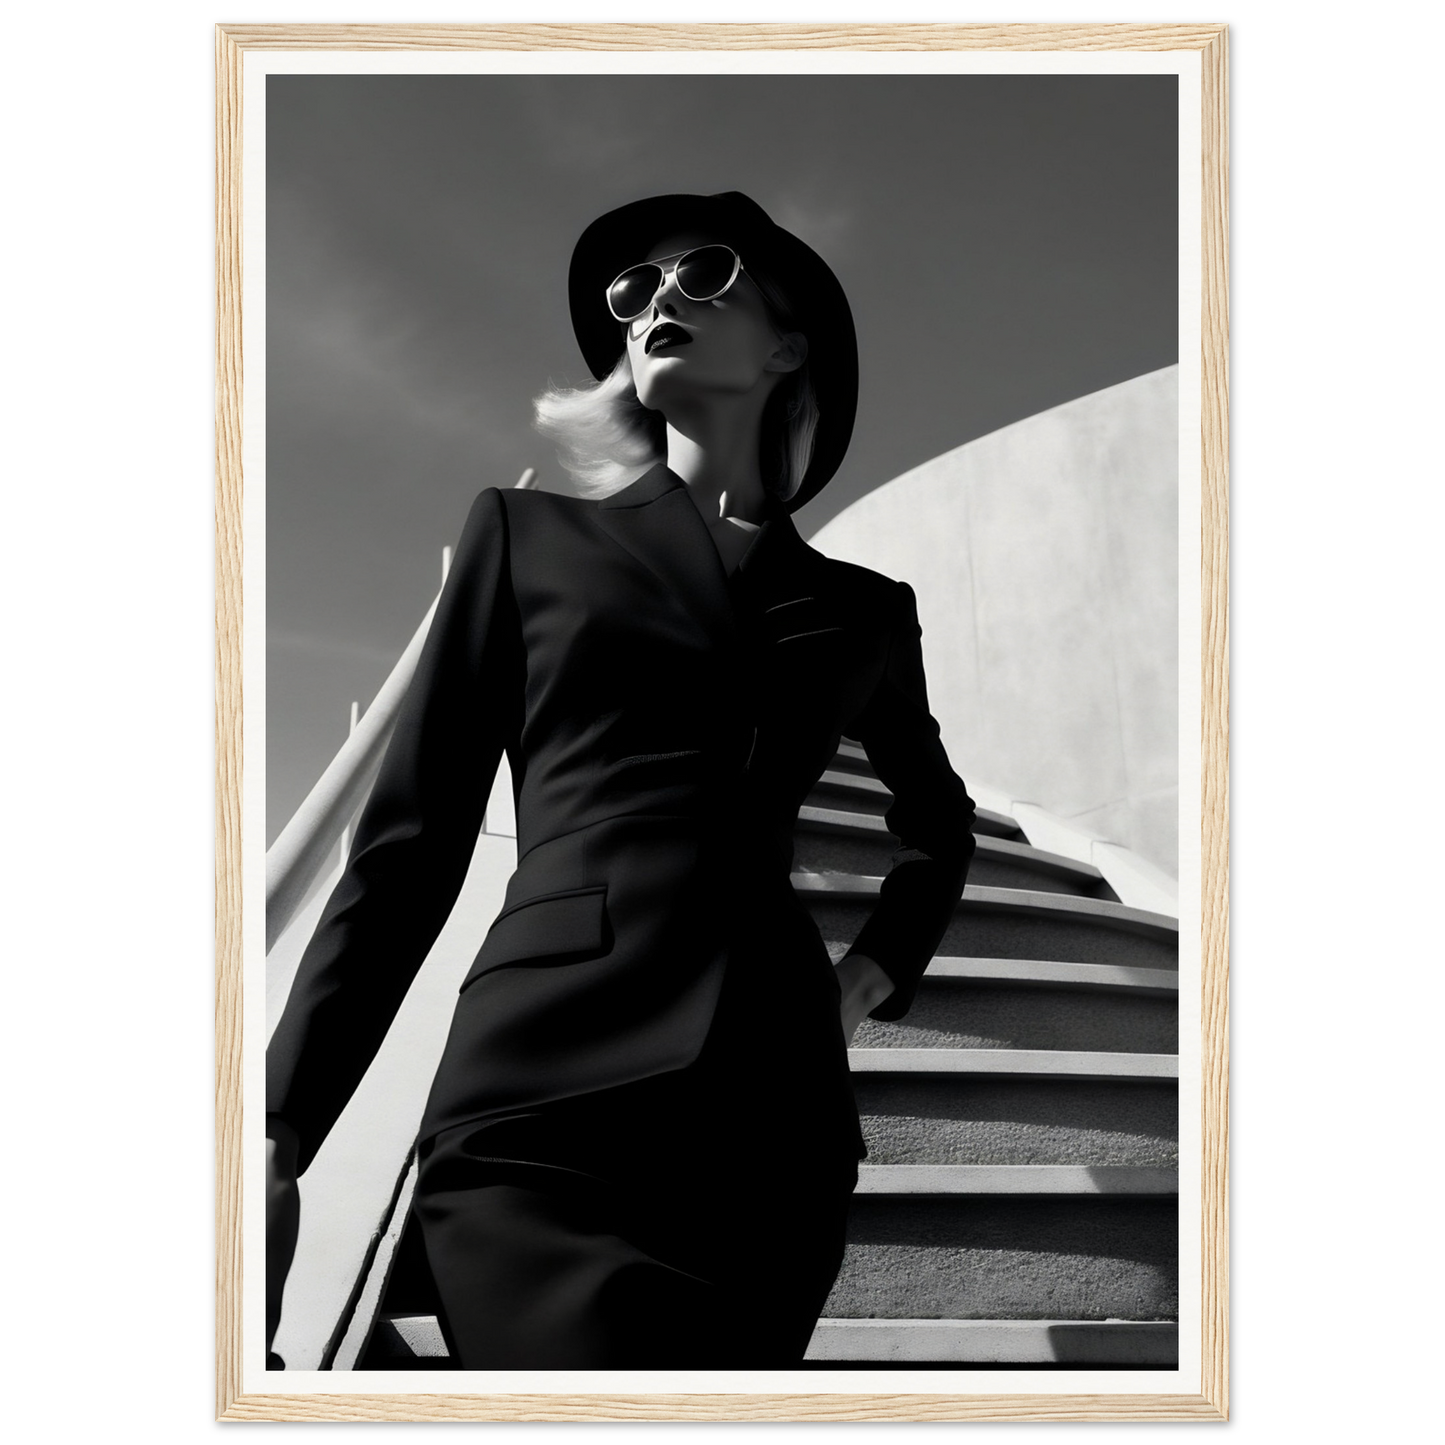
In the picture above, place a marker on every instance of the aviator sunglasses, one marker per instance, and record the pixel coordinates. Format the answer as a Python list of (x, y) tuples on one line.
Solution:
[(703, 274)]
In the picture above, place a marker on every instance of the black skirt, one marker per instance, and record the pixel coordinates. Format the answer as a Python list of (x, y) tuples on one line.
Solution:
[(691, 1220)]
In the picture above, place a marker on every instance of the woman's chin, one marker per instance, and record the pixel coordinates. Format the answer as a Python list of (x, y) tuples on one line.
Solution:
[(673, 379), (665, 377)]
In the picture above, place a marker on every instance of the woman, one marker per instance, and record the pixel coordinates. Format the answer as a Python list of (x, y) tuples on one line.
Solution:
[(641, 1140)]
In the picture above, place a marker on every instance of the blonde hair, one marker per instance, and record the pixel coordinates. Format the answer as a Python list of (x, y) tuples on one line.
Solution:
[(606, 438)]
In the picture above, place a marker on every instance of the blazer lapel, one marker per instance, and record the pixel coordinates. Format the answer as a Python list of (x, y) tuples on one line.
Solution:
[(659, 524), (776, 575)]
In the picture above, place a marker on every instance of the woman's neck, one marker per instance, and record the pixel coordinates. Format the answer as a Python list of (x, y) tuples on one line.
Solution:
[(716, 454)]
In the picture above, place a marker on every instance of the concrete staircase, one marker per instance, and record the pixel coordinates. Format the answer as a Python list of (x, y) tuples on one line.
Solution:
[(1018, 1206)]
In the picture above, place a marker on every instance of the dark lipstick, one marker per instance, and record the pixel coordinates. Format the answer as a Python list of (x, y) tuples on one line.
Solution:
[(667, 333)]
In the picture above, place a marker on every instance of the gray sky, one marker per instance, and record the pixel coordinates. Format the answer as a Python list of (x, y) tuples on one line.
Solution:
[(1007, 243)]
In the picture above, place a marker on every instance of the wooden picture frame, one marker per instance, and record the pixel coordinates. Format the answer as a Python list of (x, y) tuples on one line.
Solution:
[(1210, 1402)]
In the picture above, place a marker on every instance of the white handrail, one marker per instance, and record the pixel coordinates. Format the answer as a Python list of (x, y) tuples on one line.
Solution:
[(300, 852), (305, 843), (356, 718)]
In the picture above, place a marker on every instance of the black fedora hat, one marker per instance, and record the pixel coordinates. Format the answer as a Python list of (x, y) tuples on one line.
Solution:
[(622, 237)]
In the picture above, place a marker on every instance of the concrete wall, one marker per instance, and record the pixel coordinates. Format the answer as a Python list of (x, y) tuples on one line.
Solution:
[(1044, 557)]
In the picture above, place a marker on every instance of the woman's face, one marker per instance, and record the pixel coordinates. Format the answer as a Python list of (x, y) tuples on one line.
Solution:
[(681, 349)]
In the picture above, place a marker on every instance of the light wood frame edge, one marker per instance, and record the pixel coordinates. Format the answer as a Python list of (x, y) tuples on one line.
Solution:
[(1213, 1401)]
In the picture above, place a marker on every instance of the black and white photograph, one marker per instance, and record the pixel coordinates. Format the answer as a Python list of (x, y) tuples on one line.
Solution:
[(722, 723)]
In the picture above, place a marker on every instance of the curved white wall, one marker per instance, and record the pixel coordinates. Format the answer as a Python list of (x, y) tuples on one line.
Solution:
[(1045, 559)]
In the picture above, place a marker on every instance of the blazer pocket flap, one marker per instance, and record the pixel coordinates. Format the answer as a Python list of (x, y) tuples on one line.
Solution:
[(559, 927)]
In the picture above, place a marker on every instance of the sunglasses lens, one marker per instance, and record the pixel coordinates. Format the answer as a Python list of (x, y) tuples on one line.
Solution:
[(630, 293), (701, 275), (706, 272)]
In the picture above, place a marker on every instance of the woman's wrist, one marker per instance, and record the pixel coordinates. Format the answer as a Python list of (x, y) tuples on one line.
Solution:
[(864, 978)]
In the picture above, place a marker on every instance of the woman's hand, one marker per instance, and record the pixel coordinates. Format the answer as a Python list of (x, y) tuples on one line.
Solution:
[(864, 986), (283, 1216)]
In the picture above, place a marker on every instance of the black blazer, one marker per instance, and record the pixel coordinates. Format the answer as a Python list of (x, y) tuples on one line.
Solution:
[(663, 722)]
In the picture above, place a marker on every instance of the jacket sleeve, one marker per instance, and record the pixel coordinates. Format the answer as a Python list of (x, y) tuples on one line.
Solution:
[(931, 815), (414, 840)]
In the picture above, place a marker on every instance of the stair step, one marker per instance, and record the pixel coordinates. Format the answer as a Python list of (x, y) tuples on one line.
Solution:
[(1009, 900), (956, 1014), (1051, 1179), (865, 793), (402, 1337), (836, 840), (866, 785), (1031, 1063), (1013, 1256), (409, 1338), (871, 825), (850, 758), (1008, 923), (1013, 1119), (1044, 973), (1126, 1343)]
